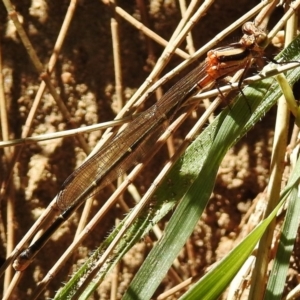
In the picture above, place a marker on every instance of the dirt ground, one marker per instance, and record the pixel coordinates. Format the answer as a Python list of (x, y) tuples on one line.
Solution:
[(85, 79)]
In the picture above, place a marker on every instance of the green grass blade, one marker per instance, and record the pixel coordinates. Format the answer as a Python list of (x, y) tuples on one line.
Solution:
[(214, 283), (227, 127), (279, 271)]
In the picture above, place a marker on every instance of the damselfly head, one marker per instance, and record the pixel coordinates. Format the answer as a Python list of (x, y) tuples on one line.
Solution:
[(254, 37)]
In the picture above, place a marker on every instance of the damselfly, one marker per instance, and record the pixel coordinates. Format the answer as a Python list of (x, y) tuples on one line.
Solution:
[(135, 141)]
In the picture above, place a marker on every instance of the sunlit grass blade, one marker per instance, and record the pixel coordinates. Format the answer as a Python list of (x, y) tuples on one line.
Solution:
[(226, 130)]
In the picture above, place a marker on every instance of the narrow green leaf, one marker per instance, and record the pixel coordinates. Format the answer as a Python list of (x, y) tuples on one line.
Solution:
[(279, 271), (227, 129)]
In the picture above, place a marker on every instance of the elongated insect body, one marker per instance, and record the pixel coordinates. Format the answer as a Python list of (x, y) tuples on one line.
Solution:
[(130, 146)]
